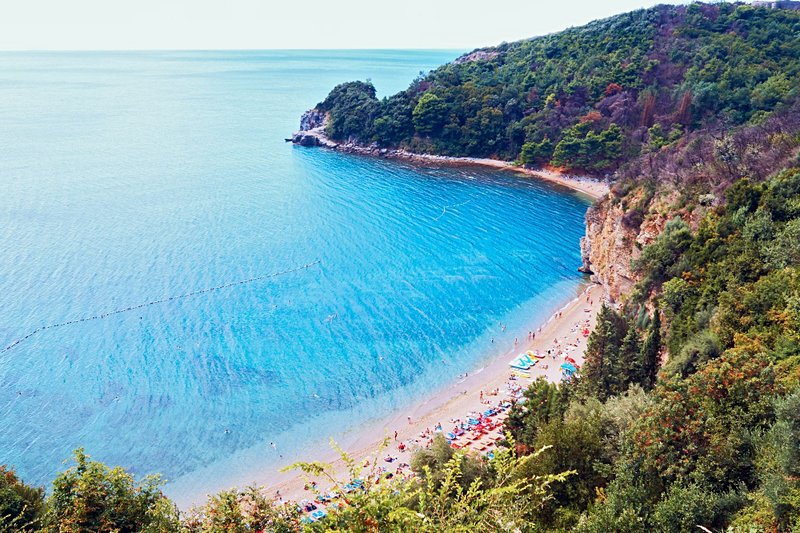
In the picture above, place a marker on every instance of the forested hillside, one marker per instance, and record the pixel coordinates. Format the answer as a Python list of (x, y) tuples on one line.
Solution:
[(686, 413), (592, 97)]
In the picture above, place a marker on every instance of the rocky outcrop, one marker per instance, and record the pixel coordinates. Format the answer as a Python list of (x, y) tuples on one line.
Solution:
[(305, 139), (312, 131), (608, 248), (477, 55), (619, 227), (312, 119)]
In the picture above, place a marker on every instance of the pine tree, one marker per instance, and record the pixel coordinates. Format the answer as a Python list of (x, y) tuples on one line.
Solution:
[(630, 362), (599, 371), (651, 351)]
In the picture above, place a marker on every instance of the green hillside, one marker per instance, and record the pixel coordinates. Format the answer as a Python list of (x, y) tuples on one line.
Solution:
[(686, 413), (591, 97)]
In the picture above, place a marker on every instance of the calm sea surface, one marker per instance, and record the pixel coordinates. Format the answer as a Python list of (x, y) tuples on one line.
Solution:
[(128, 178)]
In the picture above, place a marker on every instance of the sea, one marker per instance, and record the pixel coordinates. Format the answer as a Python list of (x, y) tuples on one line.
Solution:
[(181, 289)]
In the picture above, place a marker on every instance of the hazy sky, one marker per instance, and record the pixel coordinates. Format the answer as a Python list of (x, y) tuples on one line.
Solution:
[(247, 24)]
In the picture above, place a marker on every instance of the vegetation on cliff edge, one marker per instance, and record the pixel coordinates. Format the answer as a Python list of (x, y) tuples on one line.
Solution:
[(588, 98)]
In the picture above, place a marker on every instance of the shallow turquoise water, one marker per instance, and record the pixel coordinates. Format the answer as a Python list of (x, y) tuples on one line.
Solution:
[(131, 177)]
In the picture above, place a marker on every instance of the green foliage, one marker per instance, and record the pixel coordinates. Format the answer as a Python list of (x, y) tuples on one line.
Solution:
[(586, 437), (21, 506), (716, 447), (684, 508), (580, 98), (700, 349), (90, 496), (352, 108), (432, 461), (616, 357), (582, 148), (650, 353), (429, 114), (701, 425), (537, 153), (544, 401), (659, 260), (241, 512), (441, 500), (577, 442), (779, 463)]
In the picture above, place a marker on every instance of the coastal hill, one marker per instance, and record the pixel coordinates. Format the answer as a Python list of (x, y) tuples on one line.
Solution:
[(588, 98), (685, 415)]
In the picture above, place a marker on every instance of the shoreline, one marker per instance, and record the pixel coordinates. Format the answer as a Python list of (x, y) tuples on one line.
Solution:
[(413, 422), (595, 189), (450, 402)]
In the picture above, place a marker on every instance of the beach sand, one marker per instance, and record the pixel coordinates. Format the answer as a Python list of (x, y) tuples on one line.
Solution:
[(593, 188), (457, 399)]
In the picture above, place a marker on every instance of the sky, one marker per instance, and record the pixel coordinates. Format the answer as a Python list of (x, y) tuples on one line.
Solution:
[(265, 24)]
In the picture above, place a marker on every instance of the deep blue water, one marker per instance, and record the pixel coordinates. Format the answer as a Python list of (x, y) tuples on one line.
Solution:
[(131, 177)]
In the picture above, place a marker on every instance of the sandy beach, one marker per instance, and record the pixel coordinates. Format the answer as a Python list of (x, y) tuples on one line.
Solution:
[(563, 334), (593, 188)]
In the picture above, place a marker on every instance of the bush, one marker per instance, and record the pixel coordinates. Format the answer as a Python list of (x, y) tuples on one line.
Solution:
[(21, 506), (701, 348), (90, 496)]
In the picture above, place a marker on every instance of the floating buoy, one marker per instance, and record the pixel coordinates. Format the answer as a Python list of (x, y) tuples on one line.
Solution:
[(156, 302)]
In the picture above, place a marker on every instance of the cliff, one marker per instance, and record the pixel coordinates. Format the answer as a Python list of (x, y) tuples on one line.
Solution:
[(617, 229)]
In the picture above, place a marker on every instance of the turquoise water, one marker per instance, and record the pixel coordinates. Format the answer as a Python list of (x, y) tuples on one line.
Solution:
[(132, 177)]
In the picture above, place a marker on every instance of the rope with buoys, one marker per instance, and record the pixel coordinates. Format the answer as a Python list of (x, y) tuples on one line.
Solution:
[(445, 208), (156, 302)]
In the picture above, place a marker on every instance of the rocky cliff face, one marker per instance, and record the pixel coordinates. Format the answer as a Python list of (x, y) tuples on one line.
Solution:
[(312, 119), (615, 236), (607, 249)]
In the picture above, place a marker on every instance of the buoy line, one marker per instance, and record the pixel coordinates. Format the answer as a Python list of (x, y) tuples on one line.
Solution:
[(156, 302), (445, 208)]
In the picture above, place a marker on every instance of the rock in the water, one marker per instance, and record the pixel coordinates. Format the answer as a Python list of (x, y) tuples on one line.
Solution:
[(305, 140)]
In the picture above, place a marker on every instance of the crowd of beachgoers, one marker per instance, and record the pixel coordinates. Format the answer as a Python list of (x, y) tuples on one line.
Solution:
[(479, 430)]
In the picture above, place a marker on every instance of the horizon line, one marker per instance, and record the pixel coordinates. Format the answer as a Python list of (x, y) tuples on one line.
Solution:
[(365, 49)]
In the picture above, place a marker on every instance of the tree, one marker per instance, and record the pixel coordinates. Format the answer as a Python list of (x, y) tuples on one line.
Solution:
[(352, 108), (659, 260), (583, 148), (544, 401), (431, 462), (536, 153), (631, 369), (601, 369), (779, 464), (575, 442), (684, 508), (429, 114), (21, 506), (650, 355), (90, 496)]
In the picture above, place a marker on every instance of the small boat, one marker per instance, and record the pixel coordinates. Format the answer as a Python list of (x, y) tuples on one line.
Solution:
[(521, 362)]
